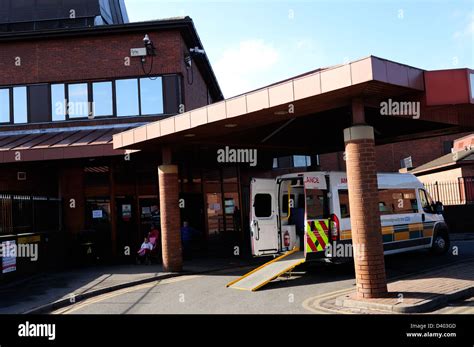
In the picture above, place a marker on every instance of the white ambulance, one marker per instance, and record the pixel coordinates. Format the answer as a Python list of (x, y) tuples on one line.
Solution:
[(310, 211)]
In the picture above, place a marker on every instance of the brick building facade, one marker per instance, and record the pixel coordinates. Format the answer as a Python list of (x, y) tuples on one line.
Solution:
[(390, 156), (62, 159)]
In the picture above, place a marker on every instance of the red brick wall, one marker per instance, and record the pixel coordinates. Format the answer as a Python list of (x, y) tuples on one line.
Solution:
[(96, 57), (388, 156), (195, 91)]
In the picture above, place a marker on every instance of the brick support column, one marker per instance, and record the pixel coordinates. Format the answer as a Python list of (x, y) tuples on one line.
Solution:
[(365, 216), (170, 218)]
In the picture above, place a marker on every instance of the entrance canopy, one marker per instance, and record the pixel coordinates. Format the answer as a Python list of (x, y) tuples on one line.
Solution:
[(308, 112)]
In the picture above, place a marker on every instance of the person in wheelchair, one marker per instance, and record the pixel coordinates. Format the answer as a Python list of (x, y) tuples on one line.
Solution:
[(143, 253)]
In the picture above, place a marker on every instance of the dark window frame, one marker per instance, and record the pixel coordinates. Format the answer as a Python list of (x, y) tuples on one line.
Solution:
[(49, 114), (67, 118)]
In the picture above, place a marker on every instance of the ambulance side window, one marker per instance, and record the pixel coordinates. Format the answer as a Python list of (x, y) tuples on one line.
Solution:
[(397, 201), (263, 205), (344, 203), (426, 203), (391, 201)]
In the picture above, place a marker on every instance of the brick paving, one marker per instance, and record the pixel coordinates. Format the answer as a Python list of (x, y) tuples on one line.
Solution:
[(421, 293)]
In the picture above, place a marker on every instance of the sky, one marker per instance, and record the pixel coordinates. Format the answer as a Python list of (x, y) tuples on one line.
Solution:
[(251, 44)]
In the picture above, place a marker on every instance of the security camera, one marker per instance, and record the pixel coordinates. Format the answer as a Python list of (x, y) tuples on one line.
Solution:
[(150, 47), (188, 61), (197, 50), (146, 40)]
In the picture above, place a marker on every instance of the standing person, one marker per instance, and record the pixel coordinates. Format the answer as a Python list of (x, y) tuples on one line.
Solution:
[(154, 235), (188, 233), (236, 219)]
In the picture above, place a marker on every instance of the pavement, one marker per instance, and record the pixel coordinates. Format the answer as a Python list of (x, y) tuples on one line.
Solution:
[(46, 292), (420, 293)]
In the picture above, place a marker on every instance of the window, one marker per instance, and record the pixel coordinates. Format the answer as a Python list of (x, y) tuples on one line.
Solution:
[(102, 96), (58, 102), (78, 103), (38, 103), (151, 96), (447, 145), (396, 201), (344, 203), (301, 161), (316, 205), (426, 202), (20, 108), (263, 205), (391, 201), (127, 97), (471, 79), (4, 105), (406, 163)]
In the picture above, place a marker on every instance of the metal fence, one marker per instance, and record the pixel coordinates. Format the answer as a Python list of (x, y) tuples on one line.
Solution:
[(458, 192), (26, 213)]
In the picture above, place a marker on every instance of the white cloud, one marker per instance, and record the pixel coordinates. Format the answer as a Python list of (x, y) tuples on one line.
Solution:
[(238, 68)]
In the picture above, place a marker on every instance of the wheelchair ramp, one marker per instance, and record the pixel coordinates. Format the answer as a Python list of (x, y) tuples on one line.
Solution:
[(257, 278)]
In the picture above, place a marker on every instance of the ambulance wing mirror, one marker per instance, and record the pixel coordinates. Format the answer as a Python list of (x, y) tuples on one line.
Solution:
[(438, 207)]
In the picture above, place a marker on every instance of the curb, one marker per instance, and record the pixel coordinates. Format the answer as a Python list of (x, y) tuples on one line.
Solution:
[(442, 301), (424, 306), (461, 237), (61, 303)]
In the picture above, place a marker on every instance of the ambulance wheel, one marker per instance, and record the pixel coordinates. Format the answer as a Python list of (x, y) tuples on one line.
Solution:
[(440, 242)]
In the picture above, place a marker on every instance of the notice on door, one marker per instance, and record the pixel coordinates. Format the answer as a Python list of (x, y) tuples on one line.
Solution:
[(126, 212), (97, 214)]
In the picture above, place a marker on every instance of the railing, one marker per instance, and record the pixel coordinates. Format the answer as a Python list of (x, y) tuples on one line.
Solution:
[(26, 213), (458, 192)]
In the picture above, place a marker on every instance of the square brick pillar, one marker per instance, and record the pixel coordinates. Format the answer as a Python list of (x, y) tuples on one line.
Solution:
[(365, 216), (170, 218)]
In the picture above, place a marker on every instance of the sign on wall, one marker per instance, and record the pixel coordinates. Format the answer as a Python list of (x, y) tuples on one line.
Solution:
[(8, 263)]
